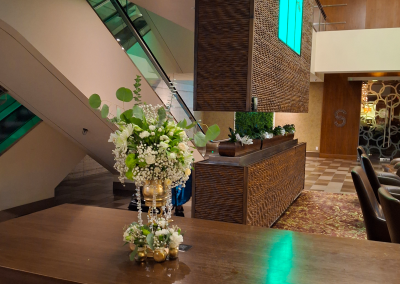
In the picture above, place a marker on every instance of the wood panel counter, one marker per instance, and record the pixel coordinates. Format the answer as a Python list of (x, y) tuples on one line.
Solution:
[(254, 189), (83, 244)]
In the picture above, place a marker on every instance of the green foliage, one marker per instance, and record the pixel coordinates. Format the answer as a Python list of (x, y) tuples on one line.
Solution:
[(104, 111), (232, 136), (95, 101), (162, 115), (277, 130), (138, 112), (253, 124), (137, 97), (149, 239), (212, 132), (124, 95), (289, 128)]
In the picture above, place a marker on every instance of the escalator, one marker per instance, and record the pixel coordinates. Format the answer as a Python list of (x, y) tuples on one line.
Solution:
[(126, 23), (15, 121)]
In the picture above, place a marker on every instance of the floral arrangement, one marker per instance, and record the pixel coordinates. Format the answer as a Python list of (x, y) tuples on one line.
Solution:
[(151, 146), (155, 236), (289, 128)]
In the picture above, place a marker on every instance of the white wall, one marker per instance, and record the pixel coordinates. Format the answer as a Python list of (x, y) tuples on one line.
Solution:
[(32, 168), (371, 50)]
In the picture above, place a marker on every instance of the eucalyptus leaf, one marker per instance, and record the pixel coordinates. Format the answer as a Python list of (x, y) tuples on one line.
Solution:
[(136, 121), (104, 111), (133, 254), (138, 112), (162, 115), (128, 114), (150, 240), (212, 132), (200, 139), (191, 125), (94, 101), (124, 94)]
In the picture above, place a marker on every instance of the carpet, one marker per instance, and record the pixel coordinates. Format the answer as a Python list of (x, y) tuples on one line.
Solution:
[(332, 214)]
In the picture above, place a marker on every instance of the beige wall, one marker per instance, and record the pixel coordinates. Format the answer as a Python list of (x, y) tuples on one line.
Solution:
[(223, 119), (86, 167), (32, 168), (308, 125)]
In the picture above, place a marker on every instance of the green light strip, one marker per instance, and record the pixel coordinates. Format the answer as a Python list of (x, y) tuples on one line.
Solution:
[(18, 134)]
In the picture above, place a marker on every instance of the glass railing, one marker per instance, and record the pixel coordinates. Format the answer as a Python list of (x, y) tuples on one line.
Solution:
[(15, 121), (129, 28)]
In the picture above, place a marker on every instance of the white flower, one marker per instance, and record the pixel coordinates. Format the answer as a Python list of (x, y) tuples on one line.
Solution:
[(157, 170), (283, 131), (159, 129), (267, 135), (144, 134), (182, 146), (163, 232), (175, 240), (182, 134), (152, 127), (168, 182), (244, 140), (171, 133), (188, 172), (150, 159), (164, 145), (162, 223), (152, 133), (164, 137), (172, 156)]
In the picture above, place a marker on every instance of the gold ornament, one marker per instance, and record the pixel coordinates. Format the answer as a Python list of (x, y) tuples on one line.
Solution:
[(141, 255), (159, 255), (173, 253)]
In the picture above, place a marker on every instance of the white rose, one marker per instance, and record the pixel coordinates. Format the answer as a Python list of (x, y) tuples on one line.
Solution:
[(152, 133), (159, 129), (152, 127), (182, 146), (171, 133), (162, 232), (150, 159), (182, 134), (144, 134), (162, 223), (172, 156), (164, 145), (175, 240), (164, 137)]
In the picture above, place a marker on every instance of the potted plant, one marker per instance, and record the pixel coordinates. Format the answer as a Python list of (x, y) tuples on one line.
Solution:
[(238, 145), (272, 137)]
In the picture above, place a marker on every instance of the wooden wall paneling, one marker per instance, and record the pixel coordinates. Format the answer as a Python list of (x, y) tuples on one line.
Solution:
[(382, 14), (340, 94), (353, 14)]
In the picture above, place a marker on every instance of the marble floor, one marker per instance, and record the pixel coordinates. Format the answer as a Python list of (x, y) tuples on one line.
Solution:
[(331, 175)]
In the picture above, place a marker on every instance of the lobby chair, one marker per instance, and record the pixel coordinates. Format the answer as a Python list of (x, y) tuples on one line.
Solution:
[(391, 209), (387, 181), (374, 219)]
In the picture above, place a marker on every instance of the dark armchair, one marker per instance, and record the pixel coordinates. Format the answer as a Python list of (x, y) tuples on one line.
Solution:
[(391, 209), (374, 219)]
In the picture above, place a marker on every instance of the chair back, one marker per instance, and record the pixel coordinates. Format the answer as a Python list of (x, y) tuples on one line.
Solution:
[(371, 174), (360, 151), (374, 219), (391, 209)]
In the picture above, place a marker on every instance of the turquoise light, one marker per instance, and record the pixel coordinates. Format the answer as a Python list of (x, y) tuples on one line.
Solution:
[(291, 23)]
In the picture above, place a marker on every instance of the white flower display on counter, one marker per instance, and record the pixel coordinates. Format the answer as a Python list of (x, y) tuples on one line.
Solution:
[(244, 140)]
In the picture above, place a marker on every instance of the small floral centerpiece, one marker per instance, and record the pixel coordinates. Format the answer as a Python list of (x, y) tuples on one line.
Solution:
[(155, 152), (289, 128)]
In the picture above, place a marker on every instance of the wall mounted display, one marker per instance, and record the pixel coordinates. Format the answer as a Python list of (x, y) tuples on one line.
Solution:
[(253, 48), (380, 119)]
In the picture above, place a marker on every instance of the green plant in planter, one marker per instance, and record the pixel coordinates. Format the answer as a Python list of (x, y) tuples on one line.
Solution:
[(289, 128), (278, 130)]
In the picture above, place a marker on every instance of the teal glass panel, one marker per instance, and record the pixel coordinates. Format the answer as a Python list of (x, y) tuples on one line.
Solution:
[(299, 26), (291, 23), (283, 20), (5, 101)]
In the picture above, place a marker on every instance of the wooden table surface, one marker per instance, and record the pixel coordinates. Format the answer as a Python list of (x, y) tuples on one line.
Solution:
[(82, 244)]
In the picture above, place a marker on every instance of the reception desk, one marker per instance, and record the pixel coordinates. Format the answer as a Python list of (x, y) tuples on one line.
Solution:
[(253, 189)]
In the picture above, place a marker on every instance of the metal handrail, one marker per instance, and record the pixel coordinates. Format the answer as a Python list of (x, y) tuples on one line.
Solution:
[(124, 16)]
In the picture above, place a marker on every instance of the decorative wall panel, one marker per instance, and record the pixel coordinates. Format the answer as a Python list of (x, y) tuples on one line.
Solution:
[(238, 56), (380, 119)]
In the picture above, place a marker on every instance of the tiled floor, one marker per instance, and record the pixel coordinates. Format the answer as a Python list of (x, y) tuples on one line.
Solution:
[(330, 175)]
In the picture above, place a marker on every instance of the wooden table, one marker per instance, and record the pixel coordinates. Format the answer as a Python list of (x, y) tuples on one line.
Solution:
[(82, 244)]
